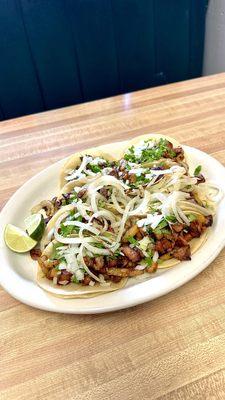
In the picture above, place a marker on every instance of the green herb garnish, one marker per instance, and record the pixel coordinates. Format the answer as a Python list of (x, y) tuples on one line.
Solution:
[(150, 153), (74, 279), (197, 170), (101, 203), (98, 245), (191, 217), (115, 255), (94, 168), (162, 227), (68, 230), (171, 218), (148, 259), (72, 198), (132, 240)]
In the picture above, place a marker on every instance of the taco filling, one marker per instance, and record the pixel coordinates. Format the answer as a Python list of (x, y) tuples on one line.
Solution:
[(89, 167), (137, 214)]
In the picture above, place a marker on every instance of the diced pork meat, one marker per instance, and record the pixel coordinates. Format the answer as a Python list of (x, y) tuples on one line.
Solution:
[(98, 263), (182, 253), (164, 246), (178, 227), (133, 254)]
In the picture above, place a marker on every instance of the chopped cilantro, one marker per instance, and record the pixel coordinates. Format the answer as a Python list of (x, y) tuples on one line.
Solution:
[(74, 279), (107, 163), (162, 228), (94, 168), (98, 245), (130, 156), (148, 259), (73, 198), (115, 255), (68, 230), (72, 218), (108, 234), (197, 170), (101, 203), (149, 230), (153, 210), (140, 180), (162, 231), (162, 224), (191, 217), (132, 240), (150, 153), (72, 213), (171, 218)]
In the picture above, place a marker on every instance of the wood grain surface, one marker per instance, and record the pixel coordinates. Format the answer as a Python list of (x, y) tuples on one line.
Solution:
[(170, 348)]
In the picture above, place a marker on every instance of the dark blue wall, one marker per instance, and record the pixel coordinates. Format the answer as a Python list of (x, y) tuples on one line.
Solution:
[(55, 53)]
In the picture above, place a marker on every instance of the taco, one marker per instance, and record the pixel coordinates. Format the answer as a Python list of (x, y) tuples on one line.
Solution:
[(84, 167), (155, 149)]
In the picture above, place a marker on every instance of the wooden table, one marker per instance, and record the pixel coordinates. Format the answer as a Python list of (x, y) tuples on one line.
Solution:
[(170, 348)]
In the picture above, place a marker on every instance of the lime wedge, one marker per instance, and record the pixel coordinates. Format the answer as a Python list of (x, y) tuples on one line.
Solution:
[(35, 226), (18, 240)]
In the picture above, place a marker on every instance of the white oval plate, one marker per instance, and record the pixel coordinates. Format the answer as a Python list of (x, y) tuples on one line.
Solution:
[(17, 271)]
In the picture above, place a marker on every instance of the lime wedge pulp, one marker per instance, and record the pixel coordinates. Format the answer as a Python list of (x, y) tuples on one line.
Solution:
[(18, 240), (35, 226)]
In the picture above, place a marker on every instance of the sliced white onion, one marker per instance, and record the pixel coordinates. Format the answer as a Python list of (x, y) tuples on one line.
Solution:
[(70, 249), (72, 265), (72, 240), (137, 171), (88, 172), (152, 181), (205, 188), (152, 219), (143, 206), (140, 267), (116, 204), (188, 205), (82, 209), (96, 250), (175, 210), (105, 214), (50, 234), (83, 226), (79, 274), (123, 220), (183, 216), (155, 256), (77, 172), (107, 180)]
